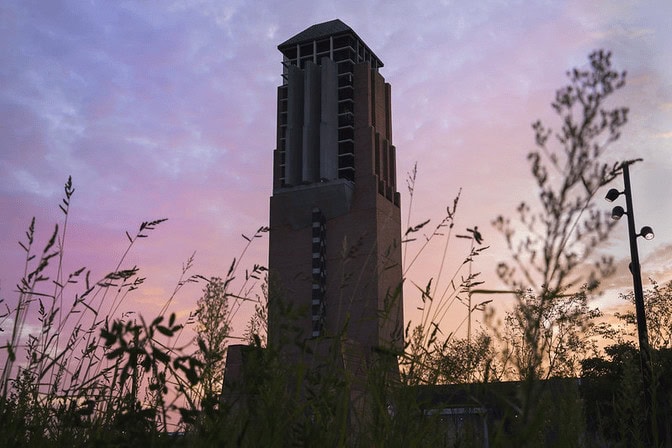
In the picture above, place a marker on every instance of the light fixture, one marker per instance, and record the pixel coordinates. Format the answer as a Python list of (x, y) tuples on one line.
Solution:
[(647, 233), (617, 212), (635, 269), (612, 195)]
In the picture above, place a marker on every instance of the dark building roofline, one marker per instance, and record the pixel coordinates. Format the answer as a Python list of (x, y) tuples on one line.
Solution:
[(325, 29), (317, 31)]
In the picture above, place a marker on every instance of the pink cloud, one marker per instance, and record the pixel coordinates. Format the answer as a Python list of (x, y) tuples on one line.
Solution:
[(170, 112)]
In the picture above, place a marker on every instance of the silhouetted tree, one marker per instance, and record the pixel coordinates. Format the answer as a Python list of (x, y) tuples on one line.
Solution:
[(212, 329), (552, 243), (550, 240), (611, 387), (256, 332), (658, 306)]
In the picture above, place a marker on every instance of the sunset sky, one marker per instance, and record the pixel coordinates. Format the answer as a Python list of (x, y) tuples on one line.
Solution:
[(166, 109)]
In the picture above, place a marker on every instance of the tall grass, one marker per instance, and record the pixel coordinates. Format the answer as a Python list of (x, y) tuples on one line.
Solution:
[(75, 370), (79, 371)]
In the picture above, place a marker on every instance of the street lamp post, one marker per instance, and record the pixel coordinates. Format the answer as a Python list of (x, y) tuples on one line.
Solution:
[(647, 233)]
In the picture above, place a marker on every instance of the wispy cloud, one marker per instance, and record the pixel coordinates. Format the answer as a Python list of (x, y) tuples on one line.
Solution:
[(168, 109)]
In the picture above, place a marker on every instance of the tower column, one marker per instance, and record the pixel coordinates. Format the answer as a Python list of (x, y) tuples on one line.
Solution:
[(334, 175)]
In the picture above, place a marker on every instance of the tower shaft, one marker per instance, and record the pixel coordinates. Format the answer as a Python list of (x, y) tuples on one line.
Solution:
[(335, 227)]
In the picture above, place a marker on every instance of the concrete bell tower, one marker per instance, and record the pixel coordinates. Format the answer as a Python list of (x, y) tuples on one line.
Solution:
[(335, 226)]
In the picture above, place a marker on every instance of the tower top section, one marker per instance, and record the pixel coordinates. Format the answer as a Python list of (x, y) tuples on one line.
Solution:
[(322, 40)]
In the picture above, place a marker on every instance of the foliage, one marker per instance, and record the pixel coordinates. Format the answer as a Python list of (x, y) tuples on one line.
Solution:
[(257, 327), (613, 392), (566, 229), (550, 329), (213, 318), (546, 330), (614, 389), (462, 361), (562, 331), (80, 377), (212, 330), (430, 356), (658, 309)]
